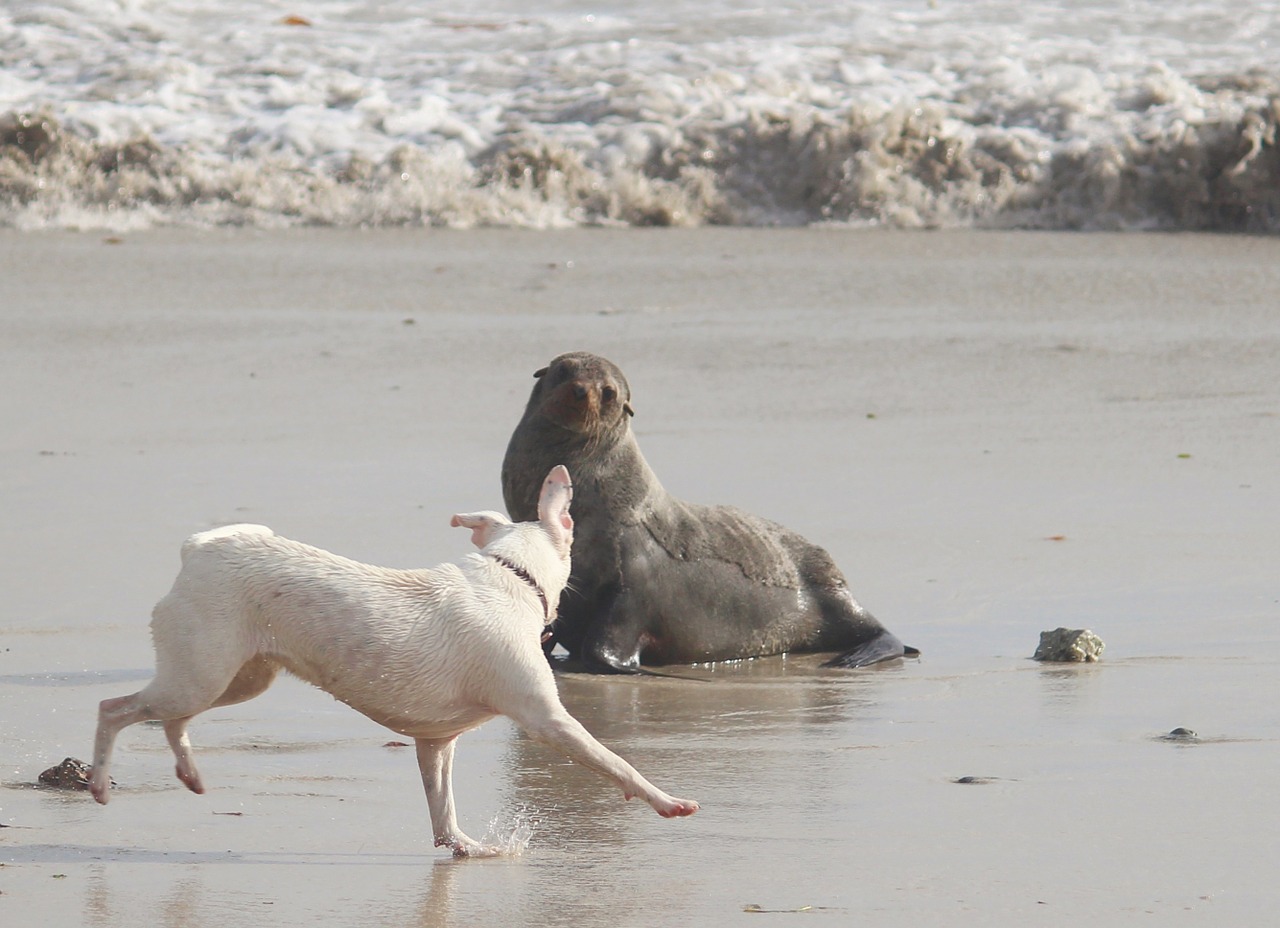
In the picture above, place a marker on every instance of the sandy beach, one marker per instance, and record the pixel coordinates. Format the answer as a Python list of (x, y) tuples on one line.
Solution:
[(993, 433)]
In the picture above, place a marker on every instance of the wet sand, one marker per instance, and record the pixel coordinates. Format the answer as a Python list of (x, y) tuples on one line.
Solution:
[(994, 434)]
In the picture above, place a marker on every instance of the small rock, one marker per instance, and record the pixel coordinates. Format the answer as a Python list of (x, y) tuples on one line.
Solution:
[(1185, 735), (70, 774), (1068, 645)]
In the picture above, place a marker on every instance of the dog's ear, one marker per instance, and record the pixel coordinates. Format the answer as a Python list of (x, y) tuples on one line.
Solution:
[(482, 525), (553, 507)]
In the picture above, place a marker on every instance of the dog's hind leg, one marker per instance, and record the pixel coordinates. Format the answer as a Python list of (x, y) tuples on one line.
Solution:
[(176, 731), (435, 761), (183, 687), (113, 716), (252, 679), (152, 703)]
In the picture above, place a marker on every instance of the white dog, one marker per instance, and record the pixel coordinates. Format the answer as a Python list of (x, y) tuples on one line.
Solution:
[(428, 653)]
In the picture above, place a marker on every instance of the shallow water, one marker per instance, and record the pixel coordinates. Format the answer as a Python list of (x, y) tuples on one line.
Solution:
[(836, 792)]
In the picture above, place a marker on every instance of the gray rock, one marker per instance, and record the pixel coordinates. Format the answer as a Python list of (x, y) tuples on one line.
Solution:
[(1069, 645)]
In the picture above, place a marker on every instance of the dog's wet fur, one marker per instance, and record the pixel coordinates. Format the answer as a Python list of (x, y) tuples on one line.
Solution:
[(429, 653)]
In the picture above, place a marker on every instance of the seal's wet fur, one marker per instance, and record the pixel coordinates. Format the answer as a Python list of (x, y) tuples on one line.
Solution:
[(657, 580)]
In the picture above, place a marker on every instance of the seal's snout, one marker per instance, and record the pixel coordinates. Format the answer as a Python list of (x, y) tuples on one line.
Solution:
[(574, 404)]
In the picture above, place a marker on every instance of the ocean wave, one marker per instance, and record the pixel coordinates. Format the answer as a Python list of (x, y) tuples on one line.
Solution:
[(909, 167), (125, 119)]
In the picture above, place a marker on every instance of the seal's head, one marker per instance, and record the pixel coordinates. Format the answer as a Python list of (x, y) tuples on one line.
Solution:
[(583, 393)]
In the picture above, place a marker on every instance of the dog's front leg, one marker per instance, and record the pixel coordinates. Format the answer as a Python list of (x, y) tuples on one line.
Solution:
[(553, 725), (435, 760)]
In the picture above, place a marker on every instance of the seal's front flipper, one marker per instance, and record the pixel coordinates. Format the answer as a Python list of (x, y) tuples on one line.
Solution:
[(616, 640), (883, 647), (608, 660)]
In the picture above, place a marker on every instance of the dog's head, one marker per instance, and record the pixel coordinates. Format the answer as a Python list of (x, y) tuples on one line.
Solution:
[(542, 547)]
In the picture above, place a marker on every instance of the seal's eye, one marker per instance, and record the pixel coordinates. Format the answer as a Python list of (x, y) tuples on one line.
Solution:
[(609, 394)]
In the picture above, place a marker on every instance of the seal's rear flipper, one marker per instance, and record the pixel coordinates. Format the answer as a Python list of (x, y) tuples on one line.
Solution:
[(883, 647)]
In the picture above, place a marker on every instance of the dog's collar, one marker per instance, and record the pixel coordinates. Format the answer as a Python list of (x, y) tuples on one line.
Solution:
[(527, 578)]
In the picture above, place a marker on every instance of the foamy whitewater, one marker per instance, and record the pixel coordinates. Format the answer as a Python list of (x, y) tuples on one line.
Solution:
[(939, 113)]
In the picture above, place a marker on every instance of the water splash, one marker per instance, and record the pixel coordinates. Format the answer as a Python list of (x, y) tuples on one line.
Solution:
[(511, 830)]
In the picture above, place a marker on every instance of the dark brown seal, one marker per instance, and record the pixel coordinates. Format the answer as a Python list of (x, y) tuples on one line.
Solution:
[(657, 580)]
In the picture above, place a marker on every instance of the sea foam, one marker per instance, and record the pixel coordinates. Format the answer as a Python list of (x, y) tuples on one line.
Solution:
[(995, 115)]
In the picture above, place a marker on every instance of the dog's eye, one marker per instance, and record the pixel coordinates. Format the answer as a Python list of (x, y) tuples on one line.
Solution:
[(609, 394)]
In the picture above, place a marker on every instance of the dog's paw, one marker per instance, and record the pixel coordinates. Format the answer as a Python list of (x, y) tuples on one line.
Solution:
[(677, 808), (475, 849), (100, 787), (463, 846)]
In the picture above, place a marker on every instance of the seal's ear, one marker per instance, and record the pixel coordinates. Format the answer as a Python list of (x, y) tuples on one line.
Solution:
[(540, 372), (483, 525), (626, 407), (553, 508)]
